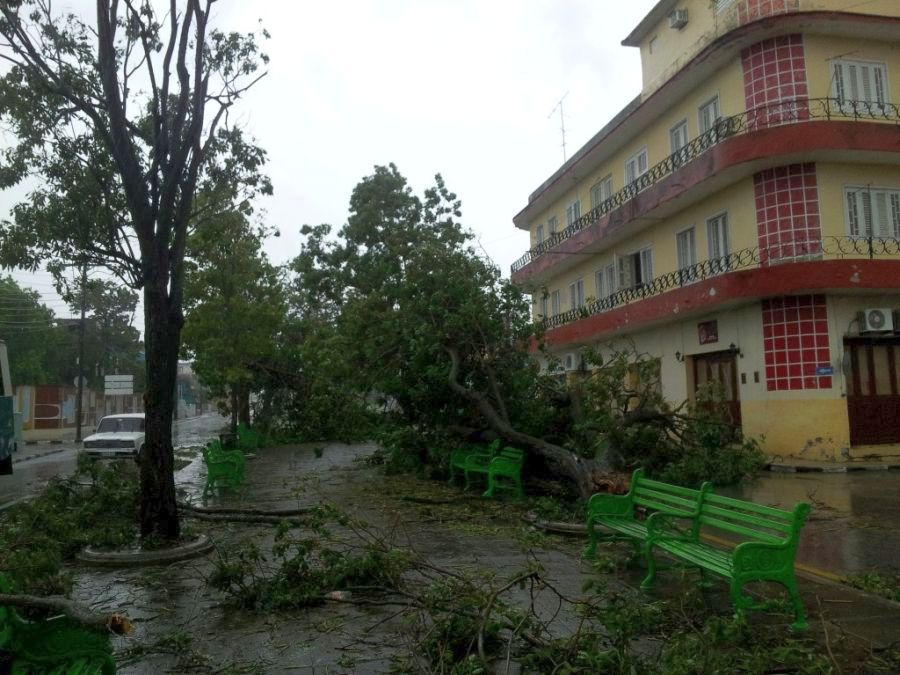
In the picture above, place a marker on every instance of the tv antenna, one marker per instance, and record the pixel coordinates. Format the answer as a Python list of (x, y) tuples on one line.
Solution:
[(562, 122)]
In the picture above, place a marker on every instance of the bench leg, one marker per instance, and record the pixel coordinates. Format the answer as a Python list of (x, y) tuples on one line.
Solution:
[(800, 623), (490, 489), (647, 583), (705, 582)]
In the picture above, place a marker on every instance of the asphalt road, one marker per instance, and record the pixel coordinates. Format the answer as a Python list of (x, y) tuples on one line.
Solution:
[(31, 475)]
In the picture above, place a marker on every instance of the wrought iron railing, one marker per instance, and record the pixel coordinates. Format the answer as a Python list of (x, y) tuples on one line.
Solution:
[(776, 114), (780, 254)]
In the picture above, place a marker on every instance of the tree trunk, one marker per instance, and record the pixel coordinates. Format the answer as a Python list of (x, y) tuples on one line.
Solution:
[(244, 405), (234, 409), (162, 331), (584, 474)]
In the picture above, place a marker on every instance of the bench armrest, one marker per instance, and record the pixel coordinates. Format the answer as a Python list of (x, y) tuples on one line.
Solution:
[(479, 459), (505, 464), (751, 557), (609, 505)]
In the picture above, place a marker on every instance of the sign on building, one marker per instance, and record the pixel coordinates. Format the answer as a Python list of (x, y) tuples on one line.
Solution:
[(118, 385)]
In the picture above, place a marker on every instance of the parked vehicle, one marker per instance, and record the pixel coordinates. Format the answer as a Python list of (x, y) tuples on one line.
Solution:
[(117, 436), (7, 419)]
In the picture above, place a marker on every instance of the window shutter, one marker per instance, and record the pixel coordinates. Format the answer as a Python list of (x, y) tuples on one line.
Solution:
[(867, 213), (878, 76), (626, 272), (839, 90), (598, 283), (882, 217), (865, 79), (895, 214), (646, 266), (853, 213)]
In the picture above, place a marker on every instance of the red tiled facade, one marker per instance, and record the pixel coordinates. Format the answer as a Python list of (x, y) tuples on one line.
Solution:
[(775, 72), (795, 332), (787, 212), (751, 10)]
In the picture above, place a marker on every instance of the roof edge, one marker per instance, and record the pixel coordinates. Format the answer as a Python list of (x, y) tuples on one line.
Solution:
[(662, 8)]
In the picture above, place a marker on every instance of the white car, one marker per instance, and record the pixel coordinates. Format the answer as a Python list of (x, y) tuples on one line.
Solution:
[(117, 436)]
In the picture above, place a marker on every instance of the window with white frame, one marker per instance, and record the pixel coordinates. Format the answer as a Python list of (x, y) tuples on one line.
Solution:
[(636, 166), (686, 249), (707, 114), (576, 294), (636, 269), (554, 303), (601, 191), (678, 139), (872, 212), (573, 212), (864, 81), (551, 225), (543, 305), (610, 271), (717, 240), (539, 235), (599, 284)]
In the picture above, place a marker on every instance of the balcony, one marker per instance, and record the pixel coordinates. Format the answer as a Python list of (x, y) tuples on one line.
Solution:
[(829, 263), (797, 111)]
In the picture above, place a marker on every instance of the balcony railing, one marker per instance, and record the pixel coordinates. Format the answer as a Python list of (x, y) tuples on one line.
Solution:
[(764, 117), (785, 253)]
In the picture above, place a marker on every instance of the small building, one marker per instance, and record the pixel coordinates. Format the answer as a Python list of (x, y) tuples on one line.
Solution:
[(740, 220)]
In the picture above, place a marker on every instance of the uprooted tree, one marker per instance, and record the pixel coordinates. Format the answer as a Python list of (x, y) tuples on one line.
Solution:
[(399, 307), (126, 122)]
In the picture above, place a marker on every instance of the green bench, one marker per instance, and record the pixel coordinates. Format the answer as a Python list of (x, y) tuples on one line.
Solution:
[(765, 552), (56, 646), (502, 467), (224, 468)]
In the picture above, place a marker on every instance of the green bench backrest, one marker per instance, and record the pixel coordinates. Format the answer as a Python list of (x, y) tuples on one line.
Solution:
[(657, 496), (513, 454), (754, 522)]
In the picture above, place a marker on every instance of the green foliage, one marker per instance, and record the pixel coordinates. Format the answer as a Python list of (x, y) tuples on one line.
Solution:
[(301, 570), (38, 535), (624, 417), (884, 584)]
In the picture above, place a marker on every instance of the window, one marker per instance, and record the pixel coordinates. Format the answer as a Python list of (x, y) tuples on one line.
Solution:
[(601, 191), (708, 114), (598, 284), (636, 166), (859, 81), (554, 303), (605, 280), (717, 237), (872, 212), (678, 138), (611, 279), (551, 225), (544, 305), (687, 254), (652, 44), (576, 294), (539, 235), (573, 212), (636, 269)]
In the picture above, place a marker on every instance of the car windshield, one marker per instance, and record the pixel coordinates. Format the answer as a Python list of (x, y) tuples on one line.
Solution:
[(110, 425)]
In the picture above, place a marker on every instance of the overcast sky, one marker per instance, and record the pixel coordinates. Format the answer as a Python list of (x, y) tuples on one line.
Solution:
[(460, 87)]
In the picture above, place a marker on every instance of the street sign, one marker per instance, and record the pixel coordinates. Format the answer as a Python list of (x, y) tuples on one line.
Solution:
[(118, 385)]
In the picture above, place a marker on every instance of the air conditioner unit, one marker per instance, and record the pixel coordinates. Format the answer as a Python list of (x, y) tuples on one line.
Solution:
[(876, 320), (678, 19), (572, 361)]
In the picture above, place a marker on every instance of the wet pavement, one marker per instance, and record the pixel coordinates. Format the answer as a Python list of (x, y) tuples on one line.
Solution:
[(181, 625), (60, 459), (854, 525)]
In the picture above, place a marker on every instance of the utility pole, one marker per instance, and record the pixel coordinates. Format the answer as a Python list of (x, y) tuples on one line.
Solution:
[(80, 396)]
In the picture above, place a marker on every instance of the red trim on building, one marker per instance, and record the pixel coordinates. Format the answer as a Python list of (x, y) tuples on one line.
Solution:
[(790, 23), (744, 285), (768, 144), (752, 10), (787, 212), (795, 342)]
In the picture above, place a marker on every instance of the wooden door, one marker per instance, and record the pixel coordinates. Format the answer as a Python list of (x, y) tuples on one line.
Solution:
[(873, 401), (720, 367)]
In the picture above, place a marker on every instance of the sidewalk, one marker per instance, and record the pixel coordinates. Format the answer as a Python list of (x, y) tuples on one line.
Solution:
[(791, 465)]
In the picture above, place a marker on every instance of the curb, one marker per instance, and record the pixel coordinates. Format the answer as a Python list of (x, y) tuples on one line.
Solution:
[(835, 468), (201, 545), (40, 454)]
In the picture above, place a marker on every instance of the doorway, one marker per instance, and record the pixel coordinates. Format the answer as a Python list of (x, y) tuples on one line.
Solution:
[(873, 401), (720, 368)]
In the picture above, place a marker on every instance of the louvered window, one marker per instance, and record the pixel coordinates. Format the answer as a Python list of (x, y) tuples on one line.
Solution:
[(872, 212), (856, 82)]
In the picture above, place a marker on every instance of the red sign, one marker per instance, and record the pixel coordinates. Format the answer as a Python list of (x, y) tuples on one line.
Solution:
[(708, 332)]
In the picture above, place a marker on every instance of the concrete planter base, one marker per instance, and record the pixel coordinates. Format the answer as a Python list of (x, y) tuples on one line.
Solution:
[(137, 558)]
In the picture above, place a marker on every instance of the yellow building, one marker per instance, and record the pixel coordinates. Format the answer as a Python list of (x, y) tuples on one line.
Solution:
[(740, 219)]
